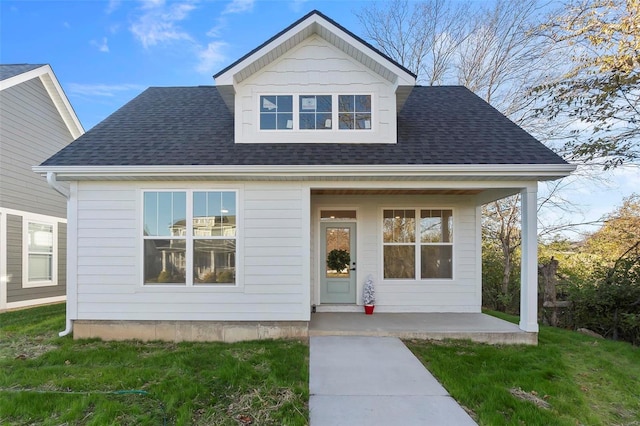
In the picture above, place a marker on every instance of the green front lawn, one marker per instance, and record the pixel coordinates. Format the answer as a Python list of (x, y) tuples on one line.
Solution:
[(568, 379), (48, 380)]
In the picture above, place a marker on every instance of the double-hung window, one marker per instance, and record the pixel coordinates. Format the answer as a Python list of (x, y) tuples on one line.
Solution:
[(189, 237), (417, 243), (40, 253)]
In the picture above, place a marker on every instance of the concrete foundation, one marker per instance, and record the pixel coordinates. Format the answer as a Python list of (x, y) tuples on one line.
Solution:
[(428, 326), (191, 331)]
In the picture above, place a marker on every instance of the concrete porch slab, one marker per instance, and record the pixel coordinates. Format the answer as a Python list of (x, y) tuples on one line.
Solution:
[(476, 327)]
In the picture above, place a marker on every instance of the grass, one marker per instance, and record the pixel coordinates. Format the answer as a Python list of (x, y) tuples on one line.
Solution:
[(568, 379), (48, 380)]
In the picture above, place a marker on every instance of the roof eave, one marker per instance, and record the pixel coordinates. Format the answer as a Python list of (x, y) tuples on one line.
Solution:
[(532, 172), (56, 93)]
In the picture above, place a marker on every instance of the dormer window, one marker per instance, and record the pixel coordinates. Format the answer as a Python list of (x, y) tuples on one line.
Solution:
[(315, 112), (354, 111), (276, 112)]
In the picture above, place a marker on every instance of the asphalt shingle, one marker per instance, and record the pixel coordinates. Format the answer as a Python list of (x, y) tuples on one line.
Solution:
[(11, 70), (441, 125)]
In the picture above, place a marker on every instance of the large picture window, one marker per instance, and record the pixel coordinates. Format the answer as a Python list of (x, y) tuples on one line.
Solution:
[(417, 243), (189, 237)]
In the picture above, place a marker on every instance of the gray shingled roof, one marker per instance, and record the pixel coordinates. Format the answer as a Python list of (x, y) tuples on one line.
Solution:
[(192, 126), (11, 70)]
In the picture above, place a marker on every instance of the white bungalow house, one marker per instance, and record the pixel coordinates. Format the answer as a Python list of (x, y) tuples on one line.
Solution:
[(208, 213)]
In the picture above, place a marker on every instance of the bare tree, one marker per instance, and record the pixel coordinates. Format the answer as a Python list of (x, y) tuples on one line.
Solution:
[(498, 52), (423, 36)]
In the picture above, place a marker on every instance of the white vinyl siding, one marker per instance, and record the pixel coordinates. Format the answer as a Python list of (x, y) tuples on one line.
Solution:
[(272, 267), (315, 67)]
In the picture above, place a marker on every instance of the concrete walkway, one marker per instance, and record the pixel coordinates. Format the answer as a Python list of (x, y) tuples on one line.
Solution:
[(375, 381)]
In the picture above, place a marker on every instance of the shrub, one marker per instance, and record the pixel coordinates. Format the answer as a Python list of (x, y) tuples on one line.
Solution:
[(611, 304)]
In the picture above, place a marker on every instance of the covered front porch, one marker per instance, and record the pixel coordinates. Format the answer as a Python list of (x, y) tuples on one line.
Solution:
[(477, 327)]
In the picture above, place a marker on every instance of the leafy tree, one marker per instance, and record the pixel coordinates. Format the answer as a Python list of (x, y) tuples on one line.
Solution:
[(600, 90), (620, 231)]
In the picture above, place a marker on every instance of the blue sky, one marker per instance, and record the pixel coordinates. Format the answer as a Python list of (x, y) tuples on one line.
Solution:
[(104, 53)]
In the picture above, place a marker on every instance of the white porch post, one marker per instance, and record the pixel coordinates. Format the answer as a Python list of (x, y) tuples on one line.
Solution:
[(529, 260)]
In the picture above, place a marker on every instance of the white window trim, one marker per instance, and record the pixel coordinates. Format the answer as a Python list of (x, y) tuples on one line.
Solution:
[(417, 245), (334, 113), (189, 239), (26, 219)]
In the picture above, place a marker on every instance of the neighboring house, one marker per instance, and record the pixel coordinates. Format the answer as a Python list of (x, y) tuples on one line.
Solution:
[(208, 213), (36, 121)]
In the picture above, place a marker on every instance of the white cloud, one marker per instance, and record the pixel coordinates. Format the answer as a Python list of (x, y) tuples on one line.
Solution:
[(160, 24), (102, 90), (210, 57), (239, 6), (112, 6), (297, 5), (101, 45), (66, 25)]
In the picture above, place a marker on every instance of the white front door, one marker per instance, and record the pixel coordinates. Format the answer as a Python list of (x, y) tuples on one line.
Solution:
[(338, 285)]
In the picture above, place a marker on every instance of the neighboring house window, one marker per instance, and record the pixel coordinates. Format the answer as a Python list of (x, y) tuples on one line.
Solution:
[(40, 254), (315, 112), (417, 242), (354, 111), (189, 237), (276, 112)]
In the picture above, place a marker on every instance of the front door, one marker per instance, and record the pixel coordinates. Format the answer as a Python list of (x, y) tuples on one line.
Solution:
[(338, 262)]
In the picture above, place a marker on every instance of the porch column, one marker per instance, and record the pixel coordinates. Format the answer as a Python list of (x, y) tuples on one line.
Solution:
[(529, 260)]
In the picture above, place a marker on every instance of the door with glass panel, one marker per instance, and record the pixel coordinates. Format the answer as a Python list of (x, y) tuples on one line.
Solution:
[(338, 262)]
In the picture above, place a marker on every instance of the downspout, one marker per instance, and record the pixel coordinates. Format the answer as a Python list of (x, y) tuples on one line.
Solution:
[(53, 183)]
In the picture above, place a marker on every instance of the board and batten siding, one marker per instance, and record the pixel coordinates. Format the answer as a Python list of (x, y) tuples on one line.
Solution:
[(460, 294), (315, 67), (31, 131), (272, 262)]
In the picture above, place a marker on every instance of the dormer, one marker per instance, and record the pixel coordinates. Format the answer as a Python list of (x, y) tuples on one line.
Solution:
[(315, 82)]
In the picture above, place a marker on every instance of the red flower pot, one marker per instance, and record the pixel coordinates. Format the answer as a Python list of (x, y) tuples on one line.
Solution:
[(368, 309)]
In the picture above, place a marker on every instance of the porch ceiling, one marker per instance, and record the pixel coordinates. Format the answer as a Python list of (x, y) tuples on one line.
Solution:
[(395, 191)]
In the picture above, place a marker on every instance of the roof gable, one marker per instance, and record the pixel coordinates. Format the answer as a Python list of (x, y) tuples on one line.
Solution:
[(12, 75), (315, 23)]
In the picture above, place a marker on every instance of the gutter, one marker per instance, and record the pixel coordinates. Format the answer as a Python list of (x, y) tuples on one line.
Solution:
[(53, 183), (350, 172)]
